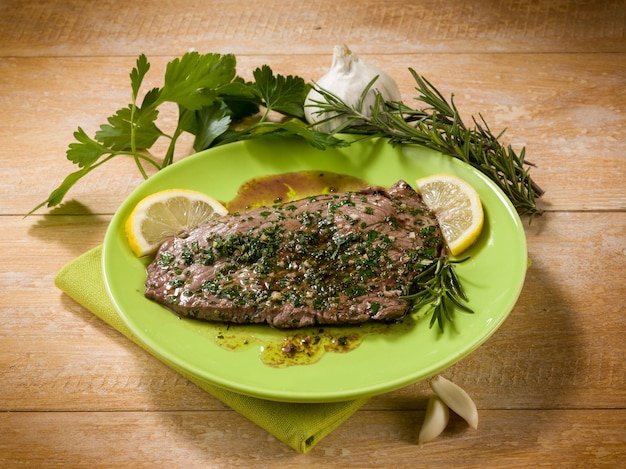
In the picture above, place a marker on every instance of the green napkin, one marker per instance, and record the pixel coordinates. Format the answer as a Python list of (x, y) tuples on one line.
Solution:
[(301, 426)]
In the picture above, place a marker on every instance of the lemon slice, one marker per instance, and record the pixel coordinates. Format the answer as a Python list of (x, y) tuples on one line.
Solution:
[(457, 206), (165, 214)]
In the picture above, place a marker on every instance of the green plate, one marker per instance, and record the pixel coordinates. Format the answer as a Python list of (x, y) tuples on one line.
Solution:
[(398, 356)]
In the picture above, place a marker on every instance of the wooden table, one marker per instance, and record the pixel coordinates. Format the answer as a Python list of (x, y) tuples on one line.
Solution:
[(549, 384)]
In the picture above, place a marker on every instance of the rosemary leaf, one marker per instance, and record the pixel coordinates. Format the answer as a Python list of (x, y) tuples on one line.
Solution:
[(438, 125), (438, 288)]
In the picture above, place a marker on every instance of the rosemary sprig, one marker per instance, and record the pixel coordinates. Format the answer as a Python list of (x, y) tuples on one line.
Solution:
[(439, 288), (438, 125)]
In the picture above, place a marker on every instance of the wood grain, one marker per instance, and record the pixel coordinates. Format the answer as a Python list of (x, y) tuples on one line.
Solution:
[(73, 28), (550, 384), (523, 94), (368, 439)]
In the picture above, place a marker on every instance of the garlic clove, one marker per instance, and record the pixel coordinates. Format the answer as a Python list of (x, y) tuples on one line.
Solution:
[(435, 420), (456, 399), (347, 78)]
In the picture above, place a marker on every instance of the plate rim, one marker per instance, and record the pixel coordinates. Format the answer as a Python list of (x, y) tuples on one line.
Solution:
[(314, 397)]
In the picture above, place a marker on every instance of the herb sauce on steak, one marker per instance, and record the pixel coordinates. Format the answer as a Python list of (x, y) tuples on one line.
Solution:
[(341, 258)]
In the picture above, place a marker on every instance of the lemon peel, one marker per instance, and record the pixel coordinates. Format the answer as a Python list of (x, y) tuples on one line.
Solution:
[(165, 214), (458, 209)]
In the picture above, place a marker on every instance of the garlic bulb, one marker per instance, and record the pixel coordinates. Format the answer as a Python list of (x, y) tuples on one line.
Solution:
[(347, 79)]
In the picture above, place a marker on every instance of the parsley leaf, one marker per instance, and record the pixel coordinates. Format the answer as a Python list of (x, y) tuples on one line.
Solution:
[(293, 128), (117, 134), (241, 98), (280, 93), (86, 151), (193, 80), (56, 197), (138, 73), (210, 122), (210, 98)]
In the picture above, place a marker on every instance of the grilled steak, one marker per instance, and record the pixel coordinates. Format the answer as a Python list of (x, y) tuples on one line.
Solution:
[(331, 259)]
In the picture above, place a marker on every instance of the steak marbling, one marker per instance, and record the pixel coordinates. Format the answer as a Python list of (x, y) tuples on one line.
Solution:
[(339, 258)]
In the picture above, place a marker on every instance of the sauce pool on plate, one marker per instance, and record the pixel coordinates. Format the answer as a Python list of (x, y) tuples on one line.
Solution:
[(306, 345)]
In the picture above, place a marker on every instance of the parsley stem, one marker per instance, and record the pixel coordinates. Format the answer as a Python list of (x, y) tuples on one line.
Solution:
[(169, 155), (265, 115), (195, 84), (138, 156), (139, 165), (133, 132)]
